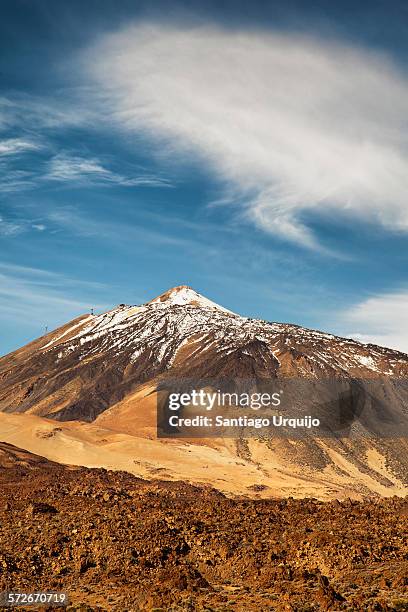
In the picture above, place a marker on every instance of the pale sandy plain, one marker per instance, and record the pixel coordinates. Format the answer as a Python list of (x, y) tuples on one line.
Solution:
[(124, 438)]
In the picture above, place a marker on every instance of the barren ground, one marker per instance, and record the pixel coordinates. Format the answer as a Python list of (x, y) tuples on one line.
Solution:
[(115, 542)]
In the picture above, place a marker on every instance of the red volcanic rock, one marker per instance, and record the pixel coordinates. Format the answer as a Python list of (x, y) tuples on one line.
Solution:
[(173, 546)]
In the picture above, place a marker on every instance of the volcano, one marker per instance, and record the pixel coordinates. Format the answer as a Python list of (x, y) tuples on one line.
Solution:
[(100, 372)]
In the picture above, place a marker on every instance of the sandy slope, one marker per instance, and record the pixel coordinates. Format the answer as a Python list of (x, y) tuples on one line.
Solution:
[(220, 464)]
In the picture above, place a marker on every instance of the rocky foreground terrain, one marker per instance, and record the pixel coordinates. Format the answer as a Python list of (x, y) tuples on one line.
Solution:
[(115, 542)]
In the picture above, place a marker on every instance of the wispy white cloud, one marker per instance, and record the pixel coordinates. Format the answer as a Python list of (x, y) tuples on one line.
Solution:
[(38, 113), (41, 276), (73, 168), (14, 146), (12, 177), (71, 220), (218, 250), (12, 180), (381, 319), (41, 119), (25, 271), (15, 227), (292, 125), (35, 297), (10, 228)]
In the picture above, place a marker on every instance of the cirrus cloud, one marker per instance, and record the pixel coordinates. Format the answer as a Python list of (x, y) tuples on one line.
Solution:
[(381, 319), (14, 146), (292, 125), (80, 170)]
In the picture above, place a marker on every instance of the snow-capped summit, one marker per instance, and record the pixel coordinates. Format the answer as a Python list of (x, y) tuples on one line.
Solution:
[(184, 295)]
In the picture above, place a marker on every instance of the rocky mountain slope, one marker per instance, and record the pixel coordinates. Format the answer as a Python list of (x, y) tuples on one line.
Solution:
[(98, 377), (19, 459), (83, 368)]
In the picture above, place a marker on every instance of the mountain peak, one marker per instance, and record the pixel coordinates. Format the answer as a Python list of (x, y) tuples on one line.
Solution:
[(184, 295)]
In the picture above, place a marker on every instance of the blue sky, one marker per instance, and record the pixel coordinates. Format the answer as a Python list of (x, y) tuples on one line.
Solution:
[(256, 151)]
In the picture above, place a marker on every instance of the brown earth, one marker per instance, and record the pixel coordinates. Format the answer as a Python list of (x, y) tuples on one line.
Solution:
[(115, 542)]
